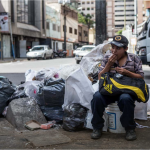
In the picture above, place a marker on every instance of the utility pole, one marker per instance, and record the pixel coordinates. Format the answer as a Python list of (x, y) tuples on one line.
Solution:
[(101, 34), (135, 17), (11, 38), (64, 28), (64, 2), (124, 14)]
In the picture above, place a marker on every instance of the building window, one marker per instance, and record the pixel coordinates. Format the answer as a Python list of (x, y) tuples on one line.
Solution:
[(88, 8), (47, 25), (79, 3), (22, 11), (25, 11), (54, 27), (85, 33), (92, 2), (83, 2), (83, 8), (88, 2), (75, 31), (92, 8), (70, 30), (80, 34)]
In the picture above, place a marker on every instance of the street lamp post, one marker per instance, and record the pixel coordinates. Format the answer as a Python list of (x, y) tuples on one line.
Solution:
[(64, 28), (64, 2), (124, 14)]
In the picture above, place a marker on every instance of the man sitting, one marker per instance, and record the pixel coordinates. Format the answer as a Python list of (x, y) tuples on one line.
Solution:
[(126, 64)]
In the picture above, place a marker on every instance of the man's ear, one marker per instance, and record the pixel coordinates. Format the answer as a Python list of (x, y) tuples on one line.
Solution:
[(126, 49)]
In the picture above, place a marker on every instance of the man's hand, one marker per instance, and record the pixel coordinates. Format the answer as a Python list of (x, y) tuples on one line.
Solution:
[(121, 70), (112, 60), (99, 76)]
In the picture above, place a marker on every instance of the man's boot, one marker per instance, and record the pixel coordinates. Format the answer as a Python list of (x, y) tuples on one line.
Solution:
[(96, 134), (130, 135)]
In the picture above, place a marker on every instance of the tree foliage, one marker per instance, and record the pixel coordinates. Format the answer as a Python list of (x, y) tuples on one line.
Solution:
[(86, 19), (119, 32)]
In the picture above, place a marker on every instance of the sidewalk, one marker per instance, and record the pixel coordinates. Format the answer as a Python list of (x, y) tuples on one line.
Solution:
[(57, 138), (7, 60)]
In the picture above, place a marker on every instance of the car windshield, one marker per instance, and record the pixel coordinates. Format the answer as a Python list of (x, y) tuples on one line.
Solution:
[(87, 48), (37, 48)]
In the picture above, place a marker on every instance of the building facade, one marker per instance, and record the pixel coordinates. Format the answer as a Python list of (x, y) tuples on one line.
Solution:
[(53, 27), (28, 26), (83, 34), (87, 7), (71, 27)]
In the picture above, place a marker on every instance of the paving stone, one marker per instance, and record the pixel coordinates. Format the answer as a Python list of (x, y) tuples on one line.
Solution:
[(21, 111)]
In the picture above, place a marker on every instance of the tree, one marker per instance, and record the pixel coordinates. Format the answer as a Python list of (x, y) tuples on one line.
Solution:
[(86, 19)]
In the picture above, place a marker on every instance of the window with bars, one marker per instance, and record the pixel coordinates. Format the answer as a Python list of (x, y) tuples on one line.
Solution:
[(70, 30), (75, 31)]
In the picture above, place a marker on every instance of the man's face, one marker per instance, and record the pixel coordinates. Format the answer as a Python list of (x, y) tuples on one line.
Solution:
[(118, 51)]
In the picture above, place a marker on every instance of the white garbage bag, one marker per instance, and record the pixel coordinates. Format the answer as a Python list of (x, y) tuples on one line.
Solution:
[(31, 88), (91, 62), (89, 117), (29, 74), (96, 86), (66, 70), (46, 74), (140, 111), (78, 89)]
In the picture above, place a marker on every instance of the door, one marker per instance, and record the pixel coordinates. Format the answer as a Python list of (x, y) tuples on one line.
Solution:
[(6, 46), (22, 45)]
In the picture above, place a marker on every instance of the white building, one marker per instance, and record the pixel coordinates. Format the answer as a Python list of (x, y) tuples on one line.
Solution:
[(71, 27), (87, 7), (118, 15)]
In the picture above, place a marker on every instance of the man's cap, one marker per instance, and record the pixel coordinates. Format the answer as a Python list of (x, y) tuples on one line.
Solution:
[(120, 41)]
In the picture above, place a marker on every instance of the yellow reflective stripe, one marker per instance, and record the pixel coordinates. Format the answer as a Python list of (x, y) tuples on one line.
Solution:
[(146, 89), (138, 91), (102, 77)]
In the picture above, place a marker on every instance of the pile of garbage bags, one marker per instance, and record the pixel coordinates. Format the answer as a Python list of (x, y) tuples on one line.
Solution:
[(64, 94)]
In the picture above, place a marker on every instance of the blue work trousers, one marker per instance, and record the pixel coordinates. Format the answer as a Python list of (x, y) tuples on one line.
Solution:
[(125, 104)]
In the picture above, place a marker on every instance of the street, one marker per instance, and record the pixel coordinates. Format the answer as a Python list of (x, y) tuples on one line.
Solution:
[(15, 71)]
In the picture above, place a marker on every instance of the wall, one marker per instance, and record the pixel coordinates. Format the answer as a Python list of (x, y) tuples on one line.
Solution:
[(53, 17), (92, 35), (29, 30), (69, 23), (86, 5), (128, 34)]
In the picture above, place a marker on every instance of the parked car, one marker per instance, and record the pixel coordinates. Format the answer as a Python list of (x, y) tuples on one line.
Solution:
[(143, 43), (76, 51), (40, 51), (84, 51)]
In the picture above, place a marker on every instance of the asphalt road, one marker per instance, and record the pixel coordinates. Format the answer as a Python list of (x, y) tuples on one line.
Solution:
[(15, 71)]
